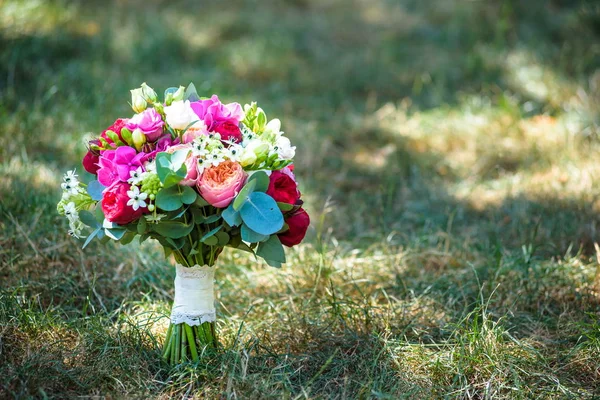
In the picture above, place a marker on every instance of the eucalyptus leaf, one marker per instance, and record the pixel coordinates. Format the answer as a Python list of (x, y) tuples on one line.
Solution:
[(243, 195), (211, 233), (248, 235), (223, 238), (127, 238), (262, 181), (271, 250), (115, 234), (232, 217), (211, 241), (169, 199), (188, 195), (95, 190), (173, 229), (88, 218), (190, 93), (261, 214), (90, 237)]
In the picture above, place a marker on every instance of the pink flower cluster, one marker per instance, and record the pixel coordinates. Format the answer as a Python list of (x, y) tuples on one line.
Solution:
[(116, 166)]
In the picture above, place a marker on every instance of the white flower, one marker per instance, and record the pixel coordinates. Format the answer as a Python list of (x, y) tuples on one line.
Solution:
[(71, 212), (199, 146), (136, 176), (75, 228), (154, 218), (234, 152), (284, 148), (273, 126), (202, 165), (215, 158), (70, 188), (71, 178), (136, 199), (179, 114), (150, 166)]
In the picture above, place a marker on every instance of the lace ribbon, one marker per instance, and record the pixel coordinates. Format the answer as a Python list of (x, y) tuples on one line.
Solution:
[(194, 295)]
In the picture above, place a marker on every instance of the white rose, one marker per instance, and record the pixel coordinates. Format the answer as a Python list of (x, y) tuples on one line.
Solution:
[(180, 114), (284, 148)]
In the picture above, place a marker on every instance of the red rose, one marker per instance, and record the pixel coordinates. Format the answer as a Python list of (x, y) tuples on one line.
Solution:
[(229, 131), (298, 223), (90, 162), (283, 188), (114, 205), (115, 127)]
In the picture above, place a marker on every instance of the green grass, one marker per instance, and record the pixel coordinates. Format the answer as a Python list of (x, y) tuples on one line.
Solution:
[(449, 155)]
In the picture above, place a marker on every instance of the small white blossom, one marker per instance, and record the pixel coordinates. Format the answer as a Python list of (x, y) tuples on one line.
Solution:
[(150, 166), (234, 152), (215, 158), (71, 178), (136, 176), (154, 218), (202, 165), (75, 229), (199, 146), (71, 188), (136, 199), (71, 212)]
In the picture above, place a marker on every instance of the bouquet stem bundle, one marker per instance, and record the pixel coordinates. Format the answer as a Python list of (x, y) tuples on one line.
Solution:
[(184, 343)]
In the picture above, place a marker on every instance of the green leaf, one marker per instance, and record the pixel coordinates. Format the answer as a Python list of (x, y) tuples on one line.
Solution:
[(190, 93), (90, 237), (88, 218), (244, 247), (212, 218), (232, 217), (211, 241), (200, 202), (211, 233), (142, 225), (284, 206), (178, 159), (262, 181), (250, 236), (188, 195), (261, 214), (115, 234), (127, 238), (272, 251), (169, 198), (262, 121), (243, 195), (173, 229), (223, 238)]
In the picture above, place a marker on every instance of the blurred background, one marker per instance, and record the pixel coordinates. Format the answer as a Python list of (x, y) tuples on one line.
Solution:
[(447, 151)]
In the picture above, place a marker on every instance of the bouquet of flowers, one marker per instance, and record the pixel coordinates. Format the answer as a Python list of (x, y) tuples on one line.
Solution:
[(196, 175)]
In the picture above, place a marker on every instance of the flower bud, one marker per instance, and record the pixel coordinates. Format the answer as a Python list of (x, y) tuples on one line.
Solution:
[(247, 158), (138, 103), (150, 207), (178, 95), (139, 139), (149, 93)]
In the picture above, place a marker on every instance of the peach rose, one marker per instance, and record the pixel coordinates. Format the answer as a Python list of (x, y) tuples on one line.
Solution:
[(219, 185)]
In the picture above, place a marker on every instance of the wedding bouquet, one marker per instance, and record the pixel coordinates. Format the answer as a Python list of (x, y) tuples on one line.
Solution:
[(196, 175)]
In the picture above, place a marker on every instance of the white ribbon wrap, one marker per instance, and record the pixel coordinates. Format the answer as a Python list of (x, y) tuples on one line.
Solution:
[(194, 295)]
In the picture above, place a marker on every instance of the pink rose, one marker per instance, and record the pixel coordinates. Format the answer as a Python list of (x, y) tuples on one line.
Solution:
[(149, 122), (212, 112), (191, 163), (114, 205), (219, 185)]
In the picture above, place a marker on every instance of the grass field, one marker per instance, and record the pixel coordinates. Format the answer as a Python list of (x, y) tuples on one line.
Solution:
[(449, 155)]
